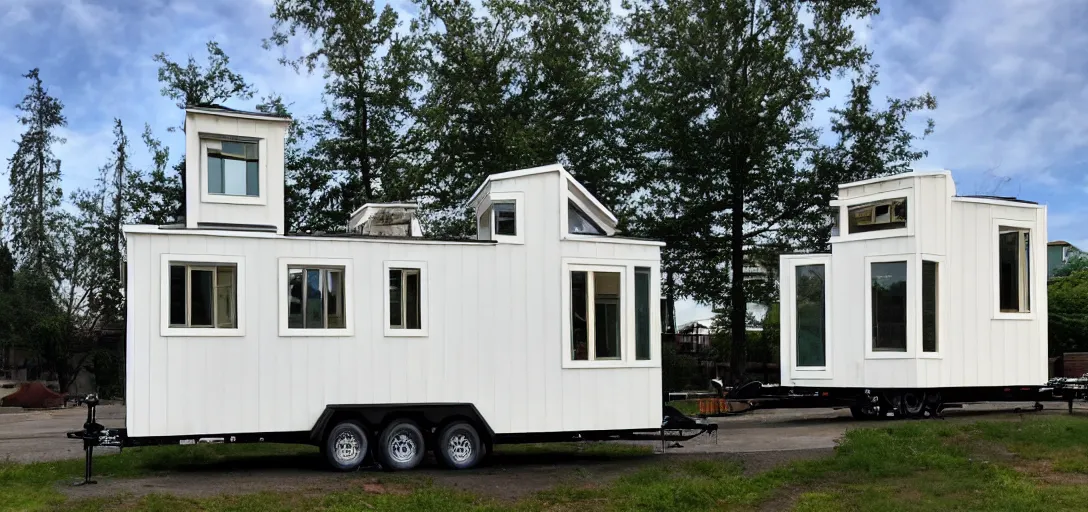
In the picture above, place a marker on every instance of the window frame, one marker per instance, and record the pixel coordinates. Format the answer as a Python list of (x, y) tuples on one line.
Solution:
[(1029, 270), (628, 349), (518, 199), (788, 317), (207, 140), (424, 299), (283, 296), (942, 304), (913, 303), (202, 261), (906, 193)]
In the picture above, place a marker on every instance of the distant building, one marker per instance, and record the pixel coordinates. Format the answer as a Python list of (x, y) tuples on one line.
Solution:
[(1058, 253)]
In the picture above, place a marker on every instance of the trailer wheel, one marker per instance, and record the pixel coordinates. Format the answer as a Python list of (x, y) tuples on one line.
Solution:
[(346, 447), (913, 404), (865, 412), (401, 445), (459, 446)]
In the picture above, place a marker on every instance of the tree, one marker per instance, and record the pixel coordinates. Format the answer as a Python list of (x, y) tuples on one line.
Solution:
[(32, 214), (1067, 303), (305, 175), (720, 117), (369, 81), (191, 85), (154, 196)]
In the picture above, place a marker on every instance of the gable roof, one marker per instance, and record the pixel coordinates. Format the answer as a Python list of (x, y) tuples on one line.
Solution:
[(542, 170)]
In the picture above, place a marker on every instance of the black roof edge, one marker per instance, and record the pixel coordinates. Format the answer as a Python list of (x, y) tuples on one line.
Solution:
[(236, 227), (213, 106), (1002, 198)]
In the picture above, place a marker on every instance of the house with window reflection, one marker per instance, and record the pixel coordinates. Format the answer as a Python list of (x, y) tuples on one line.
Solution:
[(922, 288), (542, 321), (1058, 253)]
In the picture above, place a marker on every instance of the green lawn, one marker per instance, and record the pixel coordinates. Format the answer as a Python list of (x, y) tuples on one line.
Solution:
[(1039, 463)]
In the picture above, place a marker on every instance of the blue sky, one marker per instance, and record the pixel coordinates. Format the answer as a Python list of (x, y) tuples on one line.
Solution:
[(1010, 78)]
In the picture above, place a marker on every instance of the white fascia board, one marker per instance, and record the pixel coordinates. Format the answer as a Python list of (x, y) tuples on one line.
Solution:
[(912, 174), (513, 174)]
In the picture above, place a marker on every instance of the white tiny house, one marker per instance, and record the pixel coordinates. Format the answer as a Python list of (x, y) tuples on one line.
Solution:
[(923, 290), (547, 323)]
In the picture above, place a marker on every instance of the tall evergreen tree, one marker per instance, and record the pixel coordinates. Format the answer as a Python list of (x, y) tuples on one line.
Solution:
[(369, 82), (32, 214), (153, 195), (305, 176), (720, 108)]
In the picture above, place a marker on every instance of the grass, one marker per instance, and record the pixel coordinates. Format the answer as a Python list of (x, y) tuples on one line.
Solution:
[(1035, 464), (688, 407)]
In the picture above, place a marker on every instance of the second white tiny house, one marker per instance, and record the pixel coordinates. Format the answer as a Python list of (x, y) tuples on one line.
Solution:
[(541, 328), (922, 290)]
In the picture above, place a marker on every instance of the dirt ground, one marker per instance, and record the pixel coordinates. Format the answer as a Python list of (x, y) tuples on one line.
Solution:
[(759, 440)]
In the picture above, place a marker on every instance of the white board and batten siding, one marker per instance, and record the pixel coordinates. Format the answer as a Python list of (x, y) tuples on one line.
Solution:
[(977, 344), (494, 318)]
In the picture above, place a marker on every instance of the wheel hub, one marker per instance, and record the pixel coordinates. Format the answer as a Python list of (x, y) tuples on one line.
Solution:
[(346, 448), (460, 448), (402, 448)]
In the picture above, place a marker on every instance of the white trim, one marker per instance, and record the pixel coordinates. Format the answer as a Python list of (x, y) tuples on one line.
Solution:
[(262, 176), (282, 297), (424, 298), (571, 237), (1032, 277), (844, 219), (788, 329), (912, 262), (612, 220), (606, 225), (944, 310), (900, 176), (592, 199), (518, 198), (165, 330), (240, 115), (156, 230), (513, 174), (996, 202)]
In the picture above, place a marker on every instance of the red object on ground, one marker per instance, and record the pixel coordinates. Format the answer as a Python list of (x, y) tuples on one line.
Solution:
[(33, 395)]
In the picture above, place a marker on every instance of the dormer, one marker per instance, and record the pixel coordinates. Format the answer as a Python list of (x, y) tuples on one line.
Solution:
[(893, 207), (500, 205), (234, 174)]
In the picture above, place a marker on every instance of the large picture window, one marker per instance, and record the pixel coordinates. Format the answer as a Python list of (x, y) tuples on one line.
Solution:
[(596, 315), (233, 168), (888, 293), (811, 304), (1014, 270), (203, 295), (315, 298)]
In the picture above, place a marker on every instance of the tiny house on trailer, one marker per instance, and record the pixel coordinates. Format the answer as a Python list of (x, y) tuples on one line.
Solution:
[(378, 341), (926, 298)]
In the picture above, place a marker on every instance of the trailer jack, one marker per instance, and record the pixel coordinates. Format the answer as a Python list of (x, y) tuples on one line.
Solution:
[(94, 434)]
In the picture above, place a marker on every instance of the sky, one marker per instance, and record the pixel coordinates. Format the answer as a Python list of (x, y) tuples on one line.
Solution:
[(1010, 78)]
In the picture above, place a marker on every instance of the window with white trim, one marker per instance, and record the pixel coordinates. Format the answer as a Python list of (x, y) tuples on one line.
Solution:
[(405, 298), (203, 295), (579, 223), (315, 297), (1014, 269), (888, 296), (233, 168), (877, 215), (506, 220), (930, 305), (596, 315)]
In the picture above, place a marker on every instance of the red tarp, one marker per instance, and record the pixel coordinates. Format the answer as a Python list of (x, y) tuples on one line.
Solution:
[(33, 395)]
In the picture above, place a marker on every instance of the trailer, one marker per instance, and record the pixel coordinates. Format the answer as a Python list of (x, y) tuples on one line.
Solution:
[(378, 343)]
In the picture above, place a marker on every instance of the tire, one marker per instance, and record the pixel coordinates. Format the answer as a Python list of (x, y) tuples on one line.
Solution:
[(914, 404), (865, 412), (401, 446), (346, 446), (458, 446)]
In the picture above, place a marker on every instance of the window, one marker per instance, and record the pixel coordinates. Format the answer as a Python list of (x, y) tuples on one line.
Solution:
[(405, 299), (877, 215), (1014, 270), (811, 304), (505, 218), (888, 289), (642, 313), (233, 168), (315, 298), (930, 279), (596, 312), (579, 223), (203, 296)]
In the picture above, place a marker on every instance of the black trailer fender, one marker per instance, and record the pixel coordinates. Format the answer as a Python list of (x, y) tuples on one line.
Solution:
[(374, 416)]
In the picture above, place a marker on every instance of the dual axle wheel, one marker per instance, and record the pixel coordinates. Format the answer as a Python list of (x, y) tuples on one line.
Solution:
[(906, 404), (401, 445)]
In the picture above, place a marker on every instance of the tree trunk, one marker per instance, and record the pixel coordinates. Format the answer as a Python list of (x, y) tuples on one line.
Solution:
[(738, 357)]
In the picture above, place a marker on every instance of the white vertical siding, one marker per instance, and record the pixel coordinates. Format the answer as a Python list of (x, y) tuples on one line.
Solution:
[(976, 348), (495, 337)]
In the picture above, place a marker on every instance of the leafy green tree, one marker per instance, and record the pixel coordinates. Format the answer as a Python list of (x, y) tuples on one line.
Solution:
[(305, 174), (32, 213), (1075, 264), (720, 114), (154, 195), (369, 73), (1067, 304)]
